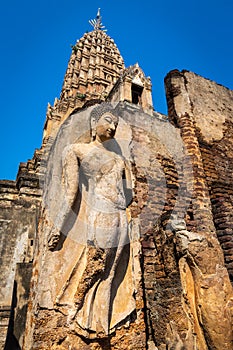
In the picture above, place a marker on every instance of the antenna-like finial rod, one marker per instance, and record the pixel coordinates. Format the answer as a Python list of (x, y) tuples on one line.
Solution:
[(98, 14), (96, 23)]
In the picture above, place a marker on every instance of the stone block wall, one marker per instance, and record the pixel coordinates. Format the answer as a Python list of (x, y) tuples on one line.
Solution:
[(5, 312), (19, 203), (19, 306)]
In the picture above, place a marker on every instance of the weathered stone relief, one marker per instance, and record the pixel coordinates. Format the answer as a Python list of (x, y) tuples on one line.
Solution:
[(110, 260), (100, 199), (89, 256), (207, 292)]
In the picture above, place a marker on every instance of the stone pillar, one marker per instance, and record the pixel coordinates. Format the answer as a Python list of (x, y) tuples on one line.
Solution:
[(207, 290)]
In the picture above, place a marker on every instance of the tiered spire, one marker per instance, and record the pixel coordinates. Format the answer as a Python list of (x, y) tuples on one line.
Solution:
[(95, 69)]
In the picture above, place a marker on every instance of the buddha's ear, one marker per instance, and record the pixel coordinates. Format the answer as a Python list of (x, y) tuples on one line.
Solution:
[(93, 122), (93, 128)]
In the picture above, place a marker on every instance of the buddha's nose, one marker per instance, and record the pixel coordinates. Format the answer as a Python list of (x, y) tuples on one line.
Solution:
[(113, 126)]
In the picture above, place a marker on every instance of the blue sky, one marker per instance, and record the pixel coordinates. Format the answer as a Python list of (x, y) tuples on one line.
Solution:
[(36, 37)]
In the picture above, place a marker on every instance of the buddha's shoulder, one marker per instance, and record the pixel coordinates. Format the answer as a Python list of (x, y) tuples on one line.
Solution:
[(78, 148)]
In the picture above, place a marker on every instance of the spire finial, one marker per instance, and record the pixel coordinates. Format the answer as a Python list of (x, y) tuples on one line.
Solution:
[(96, 23)]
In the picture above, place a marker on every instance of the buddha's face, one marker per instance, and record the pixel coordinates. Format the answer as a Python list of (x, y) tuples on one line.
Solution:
[(106, 127)]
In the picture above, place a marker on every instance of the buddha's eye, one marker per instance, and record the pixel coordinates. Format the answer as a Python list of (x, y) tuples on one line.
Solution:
[(108, 119)]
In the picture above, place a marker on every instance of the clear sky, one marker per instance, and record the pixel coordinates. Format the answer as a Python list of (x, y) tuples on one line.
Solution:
[(36, 39)]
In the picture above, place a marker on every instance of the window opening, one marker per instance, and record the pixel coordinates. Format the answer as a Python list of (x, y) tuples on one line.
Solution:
[(136, 91)]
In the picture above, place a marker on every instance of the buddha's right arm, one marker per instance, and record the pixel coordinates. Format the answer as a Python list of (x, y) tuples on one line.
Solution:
[(70, 187), (70, 176)]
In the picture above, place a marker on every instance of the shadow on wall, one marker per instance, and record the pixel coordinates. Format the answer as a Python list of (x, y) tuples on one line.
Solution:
[(11, 341)]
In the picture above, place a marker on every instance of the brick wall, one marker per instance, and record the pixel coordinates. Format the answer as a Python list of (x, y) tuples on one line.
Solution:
[(208, 108)]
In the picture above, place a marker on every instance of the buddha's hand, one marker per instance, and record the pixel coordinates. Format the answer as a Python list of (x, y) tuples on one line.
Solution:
[(53, 238)]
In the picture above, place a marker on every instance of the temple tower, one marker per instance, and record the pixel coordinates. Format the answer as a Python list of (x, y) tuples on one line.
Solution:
[(96, 72), (95, 65)]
